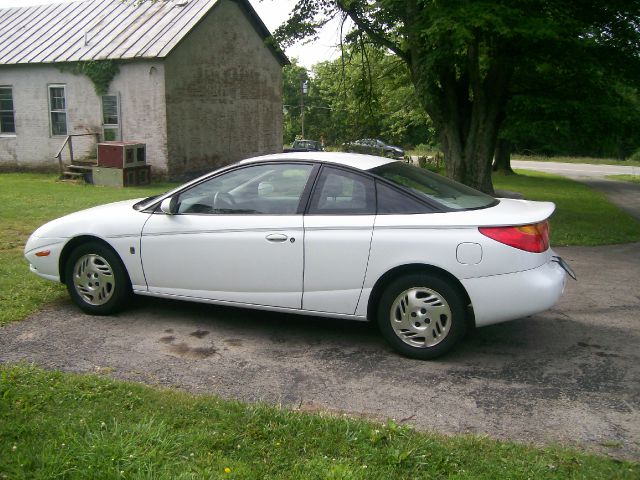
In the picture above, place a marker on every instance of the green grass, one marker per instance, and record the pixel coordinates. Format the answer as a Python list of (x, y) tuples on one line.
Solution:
[(55, 425), (589, 160), (625, 178), (582, 217), (26, 202)]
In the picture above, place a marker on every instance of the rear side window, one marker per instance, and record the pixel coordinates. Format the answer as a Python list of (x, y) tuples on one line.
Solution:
[(435, 188), (392, 201), (339, 192)]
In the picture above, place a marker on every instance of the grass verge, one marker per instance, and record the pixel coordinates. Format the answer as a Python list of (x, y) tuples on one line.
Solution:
[(582, 217), (26, 202), (625, 178), (55, 425)]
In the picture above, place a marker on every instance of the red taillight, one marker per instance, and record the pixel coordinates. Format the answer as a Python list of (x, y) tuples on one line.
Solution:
[(530, 238)]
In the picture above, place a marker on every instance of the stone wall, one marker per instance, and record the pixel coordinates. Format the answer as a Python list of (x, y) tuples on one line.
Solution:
[(223, 94)]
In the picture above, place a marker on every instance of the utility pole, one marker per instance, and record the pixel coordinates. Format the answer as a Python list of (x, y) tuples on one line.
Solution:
[(304, 88)]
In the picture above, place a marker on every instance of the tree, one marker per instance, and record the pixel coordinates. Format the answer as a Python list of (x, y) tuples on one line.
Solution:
[(587, 115), (367, 93), (464, 56)]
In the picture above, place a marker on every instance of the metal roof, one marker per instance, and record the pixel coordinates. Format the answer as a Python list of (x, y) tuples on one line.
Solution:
[(102, 29)]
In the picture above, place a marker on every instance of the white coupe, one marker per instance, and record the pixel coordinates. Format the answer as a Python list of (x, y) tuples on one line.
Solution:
[(331, 234)]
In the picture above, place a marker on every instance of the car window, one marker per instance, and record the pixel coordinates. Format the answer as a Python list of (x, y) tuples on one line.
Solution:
[(391, 201), (446, 192), (260, 189), (344, 193)]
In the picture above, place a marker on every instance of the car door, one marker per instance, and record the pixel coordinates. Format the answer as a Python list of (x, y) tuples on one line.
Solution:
[(236, 237), (338, 229)]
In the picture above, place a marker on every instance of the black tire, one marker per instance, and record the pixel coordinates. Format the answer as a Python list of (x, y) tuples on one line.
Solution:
[(97, 280), (421, 315)]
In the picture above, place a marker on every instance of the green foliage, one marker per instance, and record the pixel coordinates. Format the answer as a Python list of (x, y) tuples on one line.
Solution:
[(100, 72), (635, 156), (589, 112), (56, 425), (357, 96), (469, 59)]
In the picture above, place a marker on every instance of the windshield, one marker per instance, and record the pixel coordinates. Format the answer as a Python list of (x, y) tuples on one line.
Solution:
[(444, 191)]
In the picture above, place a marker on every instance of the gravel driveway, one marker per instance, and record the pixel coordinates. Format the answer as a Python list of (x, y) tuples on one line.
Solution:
[(571, 375)]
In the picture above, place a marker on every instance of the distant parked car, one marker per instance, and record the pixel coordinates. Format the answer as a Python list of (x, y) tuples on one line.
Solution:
[(374, 146), (305, 146)]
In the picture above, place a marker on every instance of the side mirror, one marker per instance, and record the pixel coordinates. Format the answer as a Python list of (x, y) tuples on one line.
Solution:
[(169, 206)]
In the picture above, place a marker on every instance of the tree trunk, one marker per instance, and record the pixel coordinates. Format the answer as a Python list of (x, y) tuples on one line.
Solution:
[(467, 109), (502, 157)]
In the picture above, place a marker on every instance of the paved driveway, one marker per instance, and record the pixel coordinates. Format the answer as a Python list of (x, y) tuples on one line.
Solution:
[(571, 375), (577, 170)]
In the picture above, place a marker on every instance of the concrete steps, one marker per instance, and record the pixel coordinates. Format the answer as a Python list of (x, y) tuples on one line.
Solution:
[(77, 172)]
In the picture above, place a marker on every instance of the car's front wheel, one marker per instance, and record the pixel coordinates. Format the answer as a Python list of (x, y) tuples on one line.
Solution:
[(421, 315), (96, 279)]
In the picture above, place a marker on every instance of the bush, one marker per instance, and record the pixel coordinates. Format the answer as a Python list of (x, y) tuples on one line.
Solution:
[(635, 156)]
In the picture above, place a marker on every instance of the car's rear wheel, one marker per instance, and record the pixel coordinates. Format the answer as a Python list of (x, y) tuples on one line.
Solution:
[(421, 315), (96, 279)]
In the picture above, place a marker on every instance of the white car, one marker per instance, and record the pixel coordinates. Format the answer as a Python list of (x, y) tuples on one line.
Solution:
[(330, 234)]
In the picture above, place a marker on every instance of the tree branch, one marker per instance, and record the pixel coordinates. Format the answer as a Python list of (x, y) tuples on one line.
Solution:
[(374, 34)]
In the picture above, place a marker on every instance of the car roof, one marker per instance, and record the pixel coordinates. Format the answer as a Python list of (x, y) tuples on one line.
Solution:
[(354, 160)]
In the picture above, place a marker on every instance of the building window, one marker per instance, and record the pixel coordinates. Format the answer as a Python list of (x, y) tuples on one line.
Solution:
[(110, 117), (58, 109), (7, 117)]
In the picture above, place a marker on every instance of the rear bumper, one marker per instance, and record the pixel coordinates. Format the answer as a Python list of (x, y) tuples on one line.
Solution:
[(500, 298)]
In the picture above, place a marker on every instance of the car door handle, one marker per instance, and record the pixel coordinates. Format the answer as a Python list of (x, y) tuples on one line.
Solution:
[(276, 237)]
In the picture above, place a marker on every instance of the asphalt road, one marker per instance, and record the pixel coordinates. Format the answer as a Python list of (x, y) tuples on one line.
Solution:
[(570, 375), (576, 170)]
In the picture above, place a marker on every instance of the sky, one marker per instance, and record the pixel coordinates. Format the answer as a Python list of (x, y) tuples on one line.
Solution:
[(273, 13)]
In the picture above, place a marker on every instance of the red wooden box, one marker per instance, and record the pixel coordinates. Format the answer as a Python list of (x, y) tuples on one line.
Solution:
[(121, 154)]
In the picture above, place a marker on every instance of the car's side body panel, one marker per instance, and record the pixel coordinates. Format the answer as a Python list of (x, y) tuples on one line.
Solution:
[(45, 266), (336, 254), (499, 298), (222, 257), (117, 224)]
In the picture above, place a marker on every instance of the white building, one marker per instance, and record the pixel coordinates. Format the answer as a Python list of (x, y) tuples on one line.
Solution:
[(196, 82)]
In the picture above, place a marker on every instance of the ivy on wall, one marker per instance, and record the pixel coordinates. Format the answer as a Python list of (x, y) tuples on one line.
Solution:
[(100, 72)]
